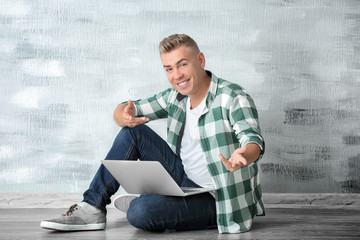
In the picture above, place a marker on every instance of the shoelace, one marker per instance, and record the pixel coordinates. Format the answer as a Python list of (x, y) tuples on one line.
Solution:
[(71, 209)]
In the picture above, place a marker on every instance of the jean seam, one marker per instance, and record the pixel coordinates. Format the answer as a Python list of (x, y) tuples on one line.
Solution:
[(104, 190), (106, 187), (127, 156)]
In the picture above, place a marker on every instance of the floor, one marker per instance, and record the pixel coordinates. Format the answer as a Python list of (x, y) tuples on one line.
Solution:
[(279, 223)]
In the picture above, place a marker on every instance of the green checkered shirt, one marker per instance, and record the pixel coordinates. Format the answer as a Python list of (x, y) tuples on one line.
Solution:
[(228, 121)]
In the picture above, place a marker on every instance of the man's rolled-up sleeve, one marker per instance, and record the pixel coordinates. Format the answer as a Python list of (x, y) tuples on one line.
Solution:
[(245, 121), (154, 107)]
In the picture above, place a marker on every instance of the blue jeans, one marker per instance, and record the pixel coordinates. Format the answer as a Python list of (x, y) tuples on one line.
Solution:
[(153, 212)]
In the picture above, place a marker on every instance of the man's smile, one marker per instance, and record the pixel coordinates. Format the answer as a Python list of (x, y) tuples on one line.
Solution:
[(183, 83)]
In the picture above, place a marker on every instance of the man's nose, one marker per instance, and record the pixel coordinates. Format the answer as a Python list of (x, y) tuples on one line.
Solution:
[(178, 74)]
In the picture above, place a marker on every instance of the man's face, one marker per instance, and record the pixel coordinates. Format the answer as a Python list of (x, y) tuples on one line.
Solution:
[(184, 69)]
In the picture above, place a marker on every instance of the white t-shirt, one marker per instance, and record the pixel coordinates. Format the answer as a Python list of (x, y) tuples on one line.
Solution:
[(193, 158)]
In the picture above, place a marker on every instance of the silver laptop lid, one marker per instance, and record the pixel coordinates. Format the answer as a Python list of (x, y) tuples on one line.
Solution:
[(143, 177)]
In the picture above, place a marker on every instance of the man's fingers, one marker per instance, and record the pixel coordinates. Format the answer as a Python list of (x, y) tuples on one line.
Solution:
[(130, 108), (229, 165), (129, 116), (133, 121), (226, 163), (127, 109), (130, 104), (136, 120), (126, 116), (140, 120), (236, 165), (223, 159)]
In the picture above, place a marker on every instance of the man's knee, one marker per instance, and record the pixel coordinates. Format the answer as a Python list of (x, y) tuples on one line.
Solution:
[(139, 129), (130, 133), (141, 215)]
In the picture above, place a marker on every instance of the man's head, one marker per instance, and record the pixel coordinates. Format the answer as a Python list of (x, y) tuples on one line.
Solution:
[(177, 40), (184, 66)]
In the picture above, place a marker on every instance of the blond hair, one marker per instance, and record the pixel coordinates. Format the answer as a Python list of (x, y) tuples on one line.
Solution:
[(176, 40)]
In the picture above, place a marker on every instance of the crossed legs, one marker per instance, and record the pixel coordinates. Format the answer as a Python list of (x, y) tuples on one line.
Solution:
[(153, 212)]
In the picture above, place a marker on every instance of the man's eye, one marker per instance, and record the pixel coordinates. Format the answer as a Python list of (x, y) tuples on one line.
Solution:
[(184, 64), (168, 69)]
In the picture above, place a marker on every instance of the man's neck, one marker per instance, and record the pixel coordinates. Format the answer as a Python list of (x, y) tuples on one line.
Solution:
[(196, 100)]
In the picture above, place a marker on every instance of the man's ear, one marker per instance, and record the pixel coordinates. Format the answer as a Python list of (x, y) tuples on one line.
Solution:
[(201, 58)]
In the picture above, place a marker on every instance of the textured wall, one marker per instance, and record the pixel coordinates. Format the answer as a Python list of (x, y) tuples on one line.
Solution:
[(64, 66)]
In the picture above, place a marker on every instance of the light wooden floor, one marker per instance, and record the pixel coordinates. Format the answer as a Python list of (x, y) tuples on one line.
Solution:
[(290, 223)]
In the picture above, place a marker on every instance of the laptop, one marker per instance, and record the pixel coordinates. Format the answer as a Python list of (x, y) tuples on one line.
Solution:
[(147, 177)]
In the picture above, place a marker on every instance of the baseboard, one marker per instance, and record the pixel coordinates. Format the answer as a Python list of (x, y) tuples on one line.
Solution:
[(271, 200), (41, 200), (312, 200)]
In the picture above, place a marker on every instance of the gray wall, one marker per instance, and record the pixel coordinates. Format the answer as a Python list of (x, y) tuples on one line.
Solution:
[(65, 65)]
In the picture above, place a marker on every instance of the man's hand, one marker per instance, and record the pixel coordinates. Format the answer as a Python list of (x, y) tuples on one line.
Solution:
[(124, 115), (241, 157)]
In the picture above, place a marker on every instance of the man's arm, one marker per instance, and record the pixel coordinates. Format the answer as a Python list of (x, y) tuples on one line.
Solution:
[(243, 117), (241, 157), (124, 115)]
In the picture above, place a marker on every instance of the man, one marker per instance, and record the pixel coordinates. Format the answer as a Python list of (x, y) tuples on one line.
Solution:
[(213, 139)]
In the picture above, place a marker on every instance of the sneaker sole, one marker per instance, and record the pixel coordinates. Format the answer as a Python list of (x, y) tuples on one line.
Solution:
[(67, 227)]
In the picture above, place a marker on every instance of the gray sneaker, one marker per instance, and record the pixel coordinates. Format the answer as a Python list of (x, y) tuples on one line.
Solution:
[(122, 203), (76, 219)]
